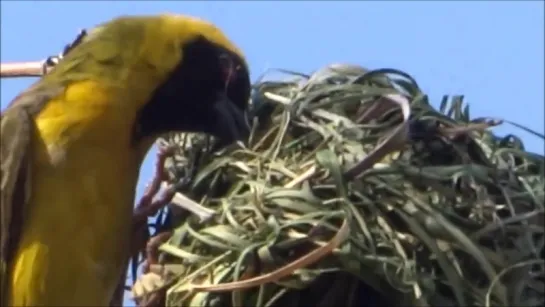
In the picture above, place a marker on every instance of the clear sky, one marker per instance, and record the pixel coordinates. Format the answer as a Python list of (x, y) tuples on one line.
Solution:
[(490, 51)]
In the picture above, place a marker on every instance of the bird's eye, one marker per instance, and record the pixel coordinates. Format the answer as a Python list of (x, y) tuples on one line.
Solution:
[(229, 69)]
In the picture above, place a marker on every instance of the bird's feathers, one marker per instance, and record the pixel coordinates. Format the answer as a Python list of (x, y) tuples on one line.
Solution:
[(16, 126)]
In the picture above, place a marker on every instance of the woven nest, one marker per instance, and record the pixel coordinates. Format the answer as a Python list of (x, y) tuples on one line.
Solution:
[(353, 190)]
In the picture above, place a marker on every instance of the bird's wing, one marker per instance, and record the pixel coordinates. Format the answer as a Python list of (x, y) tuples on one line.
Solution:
[(16, 126)]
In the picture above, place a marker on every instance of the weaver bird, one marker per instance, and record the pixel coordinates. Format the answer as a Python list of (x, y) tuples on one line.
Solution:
[(72, 145)]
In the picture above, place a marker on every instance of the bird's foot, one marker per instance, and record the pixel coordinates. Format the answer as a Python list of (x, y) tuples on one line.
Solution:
[(52, 61), (152, 249), (148, 206), (148, 290)]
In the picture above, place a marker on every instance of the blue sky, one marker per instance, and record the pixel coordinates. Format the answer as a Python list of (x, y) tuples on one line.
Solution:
[(492, 52)]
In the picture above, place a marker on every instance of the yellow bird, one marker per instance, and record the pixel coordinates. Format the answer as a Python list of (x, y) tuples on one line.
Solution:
[(72, 145)]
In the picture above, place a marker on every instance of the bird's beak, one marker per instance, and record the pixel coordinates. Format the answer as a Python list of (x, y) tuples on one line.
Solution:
[(231, 124)]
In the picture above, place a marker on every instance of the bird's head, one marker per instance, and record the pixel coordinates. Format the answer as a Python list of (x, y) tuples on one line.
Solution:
[(205, 82)]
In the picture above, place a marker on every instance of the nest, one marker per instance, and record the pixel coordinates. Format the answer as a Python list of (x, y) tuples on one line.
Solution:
[(354, 190)]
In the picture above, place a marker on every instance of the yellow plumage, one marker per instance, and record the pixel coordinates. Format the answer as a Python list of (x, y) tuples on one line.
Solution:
[(86, 175), (92, 120)]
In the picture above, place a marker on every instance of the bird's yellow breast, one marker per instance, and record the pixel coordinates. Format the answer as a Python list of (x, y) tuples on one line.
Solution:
[(84, 172)]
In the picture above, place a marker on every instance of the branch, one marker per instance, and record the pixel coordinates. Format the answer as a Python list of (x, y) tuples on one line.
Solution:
[(23, 69)]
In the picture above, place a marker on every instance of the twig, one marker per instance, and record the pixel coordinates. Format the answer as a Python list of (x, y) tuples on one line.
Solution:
[(23, 69)]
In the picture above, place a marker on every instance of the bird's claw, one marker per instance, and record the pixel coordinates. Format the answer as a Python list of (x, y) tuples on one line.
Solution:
[(52, 61), (147, 206), (152, 257), (152, 249)]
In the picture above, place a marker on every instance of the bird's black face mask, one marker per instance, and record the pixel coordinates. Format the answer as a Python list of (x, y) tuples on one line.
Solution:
[(232, 103), (208, 92), (230, 124)]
